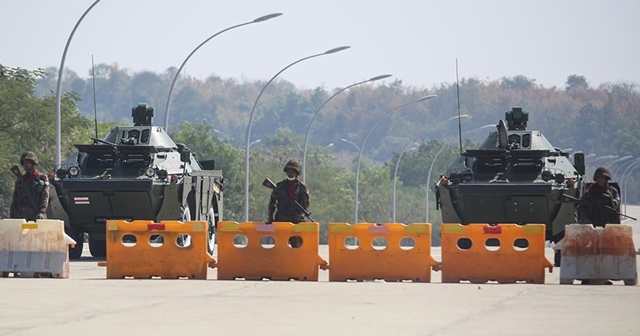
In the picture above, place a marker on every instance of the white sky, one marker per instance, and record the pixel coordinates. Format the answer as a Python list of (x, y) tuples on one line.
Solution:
[(417, 41)]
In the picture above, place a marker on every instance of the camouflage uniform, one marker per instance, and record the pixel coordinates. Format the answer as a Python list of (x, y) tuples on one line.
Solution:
[(281, 205), (31, 193), (593, 205)]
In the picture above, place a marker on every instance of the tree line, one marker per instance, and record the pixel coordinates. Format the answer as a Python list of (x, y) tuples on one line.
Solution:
[(211, 118)]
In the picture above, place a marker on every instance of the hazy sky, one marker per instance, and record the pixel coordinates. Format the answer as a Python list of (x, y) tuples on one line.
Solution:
[(417, 41)]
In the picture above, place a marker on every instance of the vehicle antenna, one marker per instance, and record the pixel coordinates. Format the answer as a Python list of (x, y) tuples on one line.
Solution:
[(95, 109), (459, 121)]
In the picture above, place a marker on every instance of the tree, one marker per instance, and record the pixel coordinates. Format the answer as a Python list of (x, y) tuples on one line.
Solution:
[(575, 81), (27, 123)]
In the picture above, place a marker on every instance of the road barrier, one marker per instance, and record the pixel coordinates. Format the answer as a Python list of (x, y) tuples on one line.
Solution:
[(144, 249), (276, 251), (34, 249), (390, 252), (598, 254), (505, 253)]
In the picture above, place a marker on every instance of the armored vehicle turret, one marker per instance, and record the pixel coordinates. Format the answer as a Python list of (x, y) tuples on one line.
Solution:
[(135, 172), (516, 176)]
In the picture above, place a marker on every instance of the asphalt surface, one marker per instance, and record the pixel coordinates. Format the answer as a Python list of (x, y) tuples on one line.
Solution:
[(89, 304)]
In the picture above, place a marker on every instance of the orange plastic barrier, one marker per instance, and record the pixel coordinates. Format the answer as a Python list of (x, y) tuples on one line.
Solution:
[(277, 251), (169, 249), (598, 254), (505, 253), (391, 252)]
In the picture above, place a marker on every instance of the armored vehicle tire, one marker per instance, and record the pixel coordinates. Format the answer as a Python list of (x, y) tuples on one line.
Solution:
[(98, 248), (75, 252), (631, 282)]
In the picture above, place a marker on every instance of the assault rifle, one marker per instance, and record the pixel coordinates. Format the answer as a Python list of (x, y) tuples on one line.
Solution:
[(602, 205), (269, 184)]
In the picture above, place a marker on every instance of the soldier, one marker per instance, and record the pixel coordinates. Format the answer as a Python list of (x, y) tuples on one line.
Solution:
[(601, 201), (281, 205), (31, 192)]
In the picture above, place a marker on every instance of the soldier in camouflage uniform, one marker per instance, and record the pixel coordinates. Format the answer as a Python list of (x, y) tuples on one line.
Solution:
[(601, 202), (31, 192), (281, 205)]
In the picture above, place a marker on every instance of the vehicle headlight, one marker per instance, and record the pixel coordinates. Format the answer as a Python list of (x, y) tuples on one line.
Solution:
[(74, 171), (150, 172)]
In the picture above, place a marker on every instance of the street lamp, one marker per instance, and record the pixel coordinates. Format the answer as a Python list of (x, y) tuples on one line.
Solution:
[(175, 77), (620, 159), (306, 138), (395, 176), (351, 143), (623, 181), (364, 141), (255, 142), (59, 90), (253, 109)]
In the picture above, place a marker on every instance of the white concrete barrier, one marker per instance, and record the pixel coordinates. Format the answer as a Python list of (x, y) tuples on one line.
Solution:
[(598, 254), (34, 249)]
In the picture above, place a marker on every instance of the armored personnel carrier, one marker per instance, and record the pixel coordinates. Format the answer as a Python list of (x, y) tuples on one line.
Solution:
[(516, 176), (135, 172)]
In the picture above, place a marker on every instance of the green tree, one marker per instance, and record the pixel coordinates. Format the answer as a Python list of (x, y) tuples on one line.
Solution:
[(203, 142), (575, 81), (28, 122)]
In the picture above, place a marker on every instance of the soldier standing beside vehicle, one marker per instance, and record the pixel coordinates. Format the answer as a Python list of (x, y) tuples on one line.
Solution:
[(31, 192), (281, 205), (601, 201)]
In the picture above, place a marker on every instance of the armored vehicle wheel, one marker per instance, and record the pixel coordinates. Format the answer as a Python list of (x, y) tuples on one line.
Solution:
[(566, 281), (98, 248), (76, 251), (631, 282)]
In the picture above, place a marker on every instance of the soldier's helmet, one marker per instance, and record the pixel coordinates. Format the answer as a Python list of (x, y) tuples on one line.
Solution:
[(602, 171), (29, 156), (292, 164)]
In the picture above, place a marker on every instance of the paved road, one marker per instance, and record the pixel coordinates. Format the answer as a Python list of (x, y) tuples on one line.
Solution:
[(87, 303)]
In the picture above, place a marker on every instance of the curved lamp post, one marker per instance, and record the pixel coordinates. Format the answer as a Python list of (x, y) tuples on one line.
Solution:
[(306, 138), (395, 174), (175, 77), (623, 181), (620, 159), (351, 143), (364, 141), (59, 90), (253, 109)]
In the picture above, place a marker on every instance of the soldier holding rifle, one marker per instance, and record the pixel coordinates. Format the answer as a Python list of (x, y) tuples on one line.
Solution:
[(601, 202), (31, 193)]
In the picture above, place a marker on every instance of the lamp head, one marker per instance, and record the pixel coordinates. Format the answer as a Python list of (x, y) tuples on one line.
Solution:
[(267, 17), (335, 50), (379, 77)]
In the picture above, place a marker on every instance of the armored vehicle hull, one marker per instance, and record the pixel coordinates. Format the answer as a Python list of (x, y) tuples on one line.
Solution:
[(135, 173), (516, 176)]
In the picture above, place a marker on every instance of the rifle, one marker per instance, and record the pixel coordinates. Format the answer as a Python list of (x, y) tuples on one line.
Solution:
[(16, 172), (603, 205), (269, 184)]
